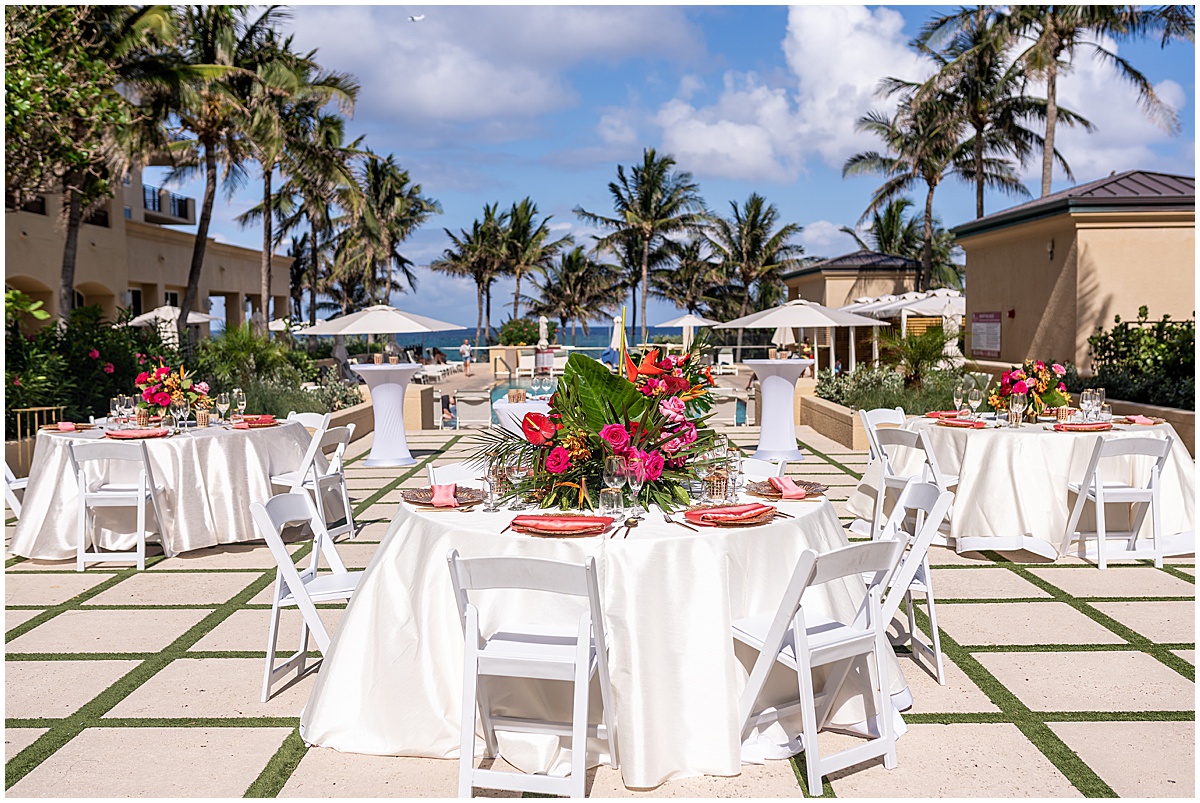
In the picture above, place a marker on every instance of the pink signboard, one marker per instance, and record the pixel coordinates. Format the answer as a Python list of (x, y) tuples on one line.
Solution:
[(985, 334)]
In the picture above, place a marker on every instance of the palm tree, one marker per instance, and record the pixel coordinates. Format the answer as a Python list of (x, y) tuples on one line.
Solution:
[(477, 254), (651, 203), (891, 232), (689, 284), (299, 252), (211, 110), (753, 247), (989, 89), (923, 146), (575, 289), (527, 245), (285, 94)]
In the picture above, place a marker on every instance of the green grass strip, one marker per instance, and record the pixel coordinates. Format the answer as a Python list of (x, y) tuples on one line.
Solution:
[(271, 780), (70, 604), (830, 460), (1173, 570), (800, 768)]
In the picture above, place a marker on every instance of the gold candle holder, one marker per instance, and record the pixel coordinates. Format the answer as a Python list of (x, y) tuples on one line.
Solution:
[(143, 417), (202, 417), (377, 359)]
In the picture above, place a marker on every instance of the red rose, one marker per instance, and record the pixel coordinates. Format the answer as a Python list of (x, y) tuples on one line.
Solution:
[(538, 428), (108, 368), (95, 355), (162, 399), (142, 378), (558, 461)]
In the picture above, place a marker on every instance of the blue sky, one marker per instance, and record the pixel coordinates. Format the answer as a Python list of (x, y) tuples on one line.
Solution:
[(492, 103)]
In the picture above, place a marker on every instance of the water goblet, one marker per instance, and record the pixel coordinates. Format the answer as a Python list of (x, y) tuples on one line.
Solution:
[(1085, 404), (1017, 402), (222, 405), (1105, 415), (960, 392), (114, 411), (610, 503), (1098, 395), (489, 489), (975, 398), (635, 477), (733, 469), (240, 401), (514, 471), (614, 472)]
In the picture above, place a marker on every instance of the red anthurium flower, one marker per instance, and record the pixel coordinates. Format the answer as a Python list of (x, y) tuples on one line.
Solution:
[(538, 428)]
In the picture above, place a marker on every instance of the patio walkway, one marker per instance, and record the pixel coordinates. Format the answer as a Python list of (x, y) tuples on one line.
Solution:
[(1064, 681)]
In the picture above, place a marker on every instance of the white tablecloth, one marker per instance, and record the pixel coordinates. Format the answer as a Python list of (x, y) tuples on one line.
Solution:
[(210, 476), (511, 414), (392, 683), (1012, 490)]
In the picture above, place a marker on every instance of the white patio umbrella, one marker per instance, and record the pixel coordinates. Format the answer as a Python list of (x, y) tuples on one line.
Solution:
[(170, 314), (284, 325), (802, 314), (689, 323), (379, 320), (784, 336)]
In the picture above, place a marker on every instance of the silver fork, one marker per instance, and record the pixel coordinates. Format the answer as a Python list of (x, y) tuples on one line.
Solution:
[(670, 520)]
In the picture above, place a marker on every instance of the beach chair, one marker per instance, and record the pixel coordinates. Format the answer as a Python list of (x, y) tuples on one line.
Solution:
[(724, 407), (724, 364), (525, 364), (474, 408)]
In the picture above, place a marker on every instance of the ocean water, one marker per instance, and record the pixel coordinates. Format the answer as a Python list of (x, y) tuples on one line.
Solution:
[(597, 337)]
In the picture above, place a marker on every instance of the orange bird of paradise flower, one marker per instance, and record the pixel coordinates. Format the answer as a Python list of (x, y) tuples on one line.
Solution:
[(647, 368)]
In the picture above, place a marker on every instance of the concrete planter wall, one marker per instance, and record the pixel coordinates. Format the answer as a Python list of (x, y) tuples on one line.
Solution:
[(418, 411), (1184, 421), (832, 420)]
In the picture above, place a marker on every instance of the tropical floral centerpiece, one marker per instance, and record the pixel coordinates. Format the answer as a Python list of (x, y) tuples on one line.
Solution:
[(1043, 386), (655, 412), (159, 387)]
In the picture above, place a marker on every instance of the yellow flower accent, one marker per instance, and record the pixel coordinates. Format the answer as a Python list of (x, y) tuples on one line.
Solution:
[(576, 444)]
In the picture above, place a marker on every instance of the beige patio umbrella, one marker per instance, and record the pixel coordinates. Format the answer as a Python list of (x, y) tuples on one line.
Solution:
[(380, 319), (169, 315), (690, 323), (802, 314)]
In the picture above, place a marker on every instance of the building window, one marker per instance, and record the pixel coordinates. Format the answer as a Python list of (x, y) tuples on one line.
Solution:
[(151, 200), (135, 301), (128, 213), (35, 205), (171, 298), (79, 300), (98, 218)]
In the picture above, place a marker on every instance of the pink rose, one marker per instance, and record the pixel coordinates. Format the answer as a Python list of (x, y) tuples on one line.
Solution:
[(95, 355), (654, 466), (142, 378), (160, 372), (687, 433), (616, 436), (1062, 387), (672, 446), (17, 381), (162, 399), (1020, 387), (558, 461), (148, 395), (672, 407), (201, 388), (108, 368), (1058, 369)]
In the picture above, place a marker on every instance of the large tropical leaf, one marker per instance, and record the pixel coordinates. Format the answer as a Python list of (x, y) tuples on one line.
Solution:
[(601, 394)]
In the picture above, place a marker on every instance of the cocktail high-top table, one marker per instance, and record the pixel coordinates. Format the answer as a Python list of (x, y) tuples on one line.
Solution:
[(387, 384), (777, 378)]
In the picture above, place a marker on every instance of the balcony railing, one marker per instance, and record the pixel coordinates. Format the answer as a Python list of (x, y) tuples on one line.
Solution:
[(152, 199), (179, 205)]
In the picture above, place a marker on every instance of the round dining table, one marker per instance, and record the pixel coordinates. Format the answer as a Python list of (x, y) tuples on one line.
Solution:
[(777, 379), (1012, 491), (391, 683), (388, 383), (510, 414), (209, 476)]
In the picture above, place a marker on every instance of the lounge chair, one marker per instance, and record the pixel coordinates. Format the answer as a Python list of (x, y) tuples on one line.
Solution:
[(526, 365), (724, 406), (474, 408), (724, 363), (560, 363)]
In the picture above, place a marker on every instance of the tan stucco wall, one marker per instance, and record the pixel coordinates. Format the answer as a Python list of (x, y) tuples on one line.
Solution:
[(838, 288)]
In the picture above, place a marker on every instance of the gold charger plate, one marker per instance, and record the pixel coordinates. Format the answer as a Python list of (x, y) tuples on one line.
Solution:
[(423, 497), (78, 427), (764, 490), (763, 518)]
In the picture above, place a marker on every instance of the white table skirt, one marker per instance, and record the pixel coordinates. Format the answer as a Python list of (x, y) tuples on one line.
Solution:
[(392, 683), (209, 476), (1012, 490), (511, 414)]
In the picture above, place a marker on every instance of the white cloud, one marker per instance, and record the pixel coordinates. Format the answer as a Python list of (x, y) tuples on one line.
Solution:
[(837, 56), (616, 129), (822, 238)]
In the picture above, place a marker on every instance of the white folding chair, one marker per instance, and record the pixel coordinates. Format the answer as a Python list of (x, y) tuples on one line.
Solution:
[(725, 364), (540, 654), (926, 506), (1099, 491), (114, 494), (873, 418), (757, 470), (308, 476), (474, 409), (293, 588), (802, 640), (314, 421), (12, 484), (890, 479), (466, 474)]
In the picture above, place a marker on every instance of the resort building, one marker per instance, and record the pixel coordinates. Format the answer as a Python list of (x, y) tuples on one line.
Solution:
[(129, 256), (1043, 275)]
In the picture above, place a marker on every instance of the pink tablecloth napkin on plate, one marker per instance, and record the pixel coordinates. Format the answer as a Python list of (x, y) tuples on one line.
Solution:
[(787, 487), (443, 496), (710, 517)]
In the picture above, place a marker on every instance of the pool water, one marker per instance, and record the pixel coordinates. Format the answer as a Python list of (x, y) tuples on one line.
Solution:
[(500, 391)]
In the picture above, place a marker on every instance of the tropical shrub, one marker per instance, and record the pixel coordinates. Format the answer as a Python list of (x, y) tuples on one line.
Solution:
[(524, 332), (869, 388), (241, 356), (279, 399), (914, 355)]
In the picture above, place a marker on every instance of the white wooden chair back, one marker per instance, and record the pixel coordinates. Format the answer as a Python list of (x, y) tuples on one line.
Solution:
[(756, 469), (466, 474), (873, 418), (313, 421), (79, 455), (12, 484), (333, 445), (928, 506)]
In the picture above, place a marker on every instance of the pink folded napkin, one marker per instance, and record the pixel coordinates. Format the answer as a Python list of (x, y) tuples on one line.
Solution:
[(787, 487), (66, 426), (561, 524), (136, 434), (960, 423), (942, 414), (443, 496), (1132, 419), (241, 425), (1091, 426), (710, 517)]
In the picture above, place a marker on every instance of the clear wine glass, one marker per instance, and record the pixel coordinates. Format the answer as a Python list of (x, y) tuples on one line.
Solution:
[(635, 477), (1017, 402), (514, 470), (960, 391), (1085, 403), (180, 409), (222, 405), (114, 412), (489, 488), (614, 476), (240, 401), (975, 398), (733, 466)]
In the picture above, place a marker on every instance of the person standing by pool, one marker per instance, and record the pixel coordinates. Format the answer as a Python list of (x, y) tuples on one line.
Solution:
[(464, 351)]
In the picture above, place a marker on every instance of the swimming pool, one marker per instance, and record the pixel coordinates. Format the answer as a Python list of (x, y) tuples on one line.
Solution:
[(500, 391)]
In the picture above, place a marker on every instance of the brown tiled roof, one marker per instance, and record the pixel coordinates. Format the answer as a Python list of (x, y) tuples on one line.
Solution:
[(1133, 189), (856, 262)]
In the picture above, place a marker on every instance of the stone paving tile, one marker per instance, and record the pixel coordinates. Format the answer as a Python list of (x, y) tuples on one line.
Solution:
[(959, 760), (1091, 681), (1187, 655), (946, 556), (59, 566), (247, 631), (328, 773), (214, 687), (226, 556), (13, 618), (35, 689), (1027, 623), (997, 583), (354, 554), (1137, 759), (1160, 621), (958, 696), (1131, 581), (17, 739), (769, 780), (154, 763), (108, 631), (199, 588)]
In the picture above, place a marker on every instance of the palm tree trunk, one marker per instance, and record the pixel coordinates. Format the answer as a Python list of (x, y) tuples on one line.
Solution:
[(314, 268), (517, 295), (193, 282), (633, 325), (927, 248), (978, 156), (742, 314), (573, 323), (645, 282), (66, 290), (1051, 123), (479, 319), (265, 288), (487, 315)]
